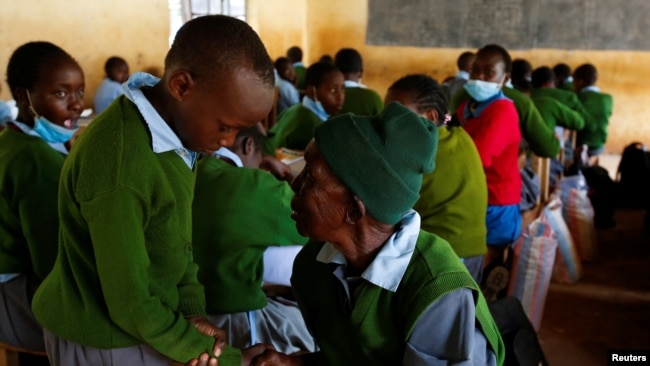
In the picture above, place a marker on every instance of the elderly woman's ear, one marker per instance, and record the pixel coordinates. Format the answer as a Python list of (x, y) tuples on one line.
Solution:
[(356, 211)]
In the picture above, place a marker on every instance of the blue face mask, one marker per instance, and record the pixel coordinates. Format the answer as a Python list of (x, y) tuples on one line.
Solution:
[(49, 131), (481, 90), (52, 132)]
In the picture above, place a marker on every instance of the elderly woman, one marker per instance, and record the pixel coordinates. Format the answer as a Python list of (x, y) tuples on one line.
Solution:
[(373, 288)]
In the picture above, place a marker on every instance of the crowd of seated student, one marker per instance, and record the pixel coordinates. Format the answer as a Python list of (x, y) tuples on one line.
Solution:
[(127, 284)]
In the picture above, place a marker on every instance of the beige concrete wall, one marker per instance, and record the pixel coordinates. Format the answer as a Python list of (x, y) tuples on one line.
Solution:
[(91, 31), (330, 25)]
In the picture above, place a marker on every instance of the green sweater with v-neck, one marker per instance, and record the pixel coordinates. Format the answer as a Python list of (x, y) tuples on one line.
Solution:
[(381, 322), (124, 274)]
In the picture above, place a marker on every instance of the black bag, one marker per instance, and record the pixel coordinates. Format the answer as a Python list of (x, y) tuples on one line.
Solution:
[(602, 194), (633, 177), (518, 334)]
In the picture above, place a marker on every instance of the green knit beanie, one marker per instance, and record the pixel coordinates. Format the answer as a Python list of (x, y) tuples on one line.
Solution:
[(381, 159)]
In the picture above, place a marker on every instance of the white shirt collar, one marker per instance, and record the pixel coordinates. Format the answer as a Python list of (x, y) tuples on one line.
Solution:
[(163, 138), (228, 154), (58, 146), (592, 88), (389, 266), (462, 75), (317, 108), (353, 84)]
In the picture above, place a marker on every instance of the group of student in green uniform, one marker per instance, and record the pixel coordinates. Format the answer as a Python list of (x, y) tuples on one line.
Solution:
[(141, 246)]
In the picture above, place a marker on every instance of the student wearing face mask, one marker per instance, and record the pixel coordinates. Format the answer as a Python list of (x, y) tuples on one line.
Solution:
[(491, 120), (48, 86), (324, 98)]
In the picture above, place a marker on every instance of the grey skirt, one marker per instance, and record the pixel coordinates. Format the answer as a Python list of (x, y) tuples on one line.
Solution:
[(18, 327), (278, 324)]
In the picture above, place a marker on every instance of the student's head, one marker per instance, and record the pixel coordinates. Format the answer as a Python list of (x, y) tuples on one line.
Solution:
[(421, 94), (562, 72), (464, 61), (521, 73), (325, 84), (349, 61), (218, 80), (46, 81), (585, 75), (543, 77), (493, 64), (326, 58), (116, 69), (294, 54), (248, 146), (284, 67)]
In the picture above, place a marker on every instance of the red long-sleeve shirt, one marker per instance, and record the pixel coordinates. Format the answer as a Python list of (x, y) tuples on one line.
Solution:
[(494, 127)]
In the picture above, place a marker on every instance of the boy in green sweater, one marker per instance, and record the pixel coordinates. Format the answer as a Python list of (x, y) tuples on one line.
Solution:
[(124, 287), (599, 105), (48, 86), (358, 98)]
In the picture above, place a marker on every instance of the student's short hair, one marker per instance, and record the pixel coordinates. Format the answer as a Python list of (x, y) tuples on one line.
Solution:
[(562, 70), (586, 73), (317, 72), (426, 92), (281, 62), (541, 76), (211, 47), (26, 62), (465, 59), (521, 67), (294, 54), (254, 133), (498, 49), (348, 60), (113, 63)]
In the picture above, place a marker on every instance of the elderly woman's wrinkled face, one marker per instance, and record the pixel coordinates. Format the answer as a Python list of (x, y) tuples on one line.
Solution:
[(321, 201)]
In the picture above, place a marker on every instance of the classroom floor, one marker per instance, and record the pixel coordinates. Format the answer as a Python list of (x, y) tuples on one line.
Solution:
[(609, 308)]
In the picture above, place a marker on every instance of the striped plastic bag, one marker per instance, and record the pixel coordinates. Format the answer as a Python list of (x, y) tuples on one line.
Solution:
[(534, 257), (567, 268), (579, 215)]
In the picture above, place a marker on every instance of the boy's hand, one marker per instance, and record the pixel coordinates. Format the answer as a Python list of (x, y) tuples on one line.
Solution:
[(207, 328), (203, 360)]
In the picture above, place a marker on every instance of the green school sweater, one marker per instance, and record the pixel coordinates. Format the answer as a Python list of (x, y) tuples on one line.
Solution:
[(294, 129), (557, 114), (568, 86), (362, 102), (301, 72), (238, 213), (124, 274), (600, 106), (452, 195), (568, 98), (540, 138), (29, 223), (376, 331)]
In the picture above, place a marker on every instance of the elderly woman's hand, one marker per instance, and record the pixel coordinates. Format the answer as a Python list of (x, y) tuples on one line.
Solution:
[(274, 358)]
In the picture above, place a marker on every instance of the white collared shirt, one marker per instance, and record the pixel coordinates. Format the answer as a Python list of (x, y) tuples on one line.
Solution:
[(163, 138), (592, 88), (58, 146), (389, 266), (228, 154)]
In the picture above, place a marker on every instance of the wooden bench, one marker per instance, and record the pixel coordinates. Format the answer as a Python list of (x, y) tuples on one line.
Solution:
[(9, 354)]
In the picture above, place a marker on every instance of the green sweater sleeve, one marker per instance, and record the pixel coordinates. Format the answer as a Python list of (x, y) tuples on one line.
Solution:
[(569, 118)]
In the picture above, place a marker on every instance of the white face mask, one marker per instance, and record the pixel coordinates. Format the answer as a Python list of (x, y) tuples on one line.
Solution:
[(481, 90)]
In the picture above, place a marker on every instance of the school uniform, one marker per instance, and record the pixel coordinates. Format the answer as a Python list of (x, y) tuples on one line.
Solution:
[(106, 93), (125, 278), (415, 304), (295, 126), (29, 227), (301, 71), (453, 198), (600, 106), (540, 138), (492, 124), (361, 100), (237, 213), (288, 94), (567, 98)]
